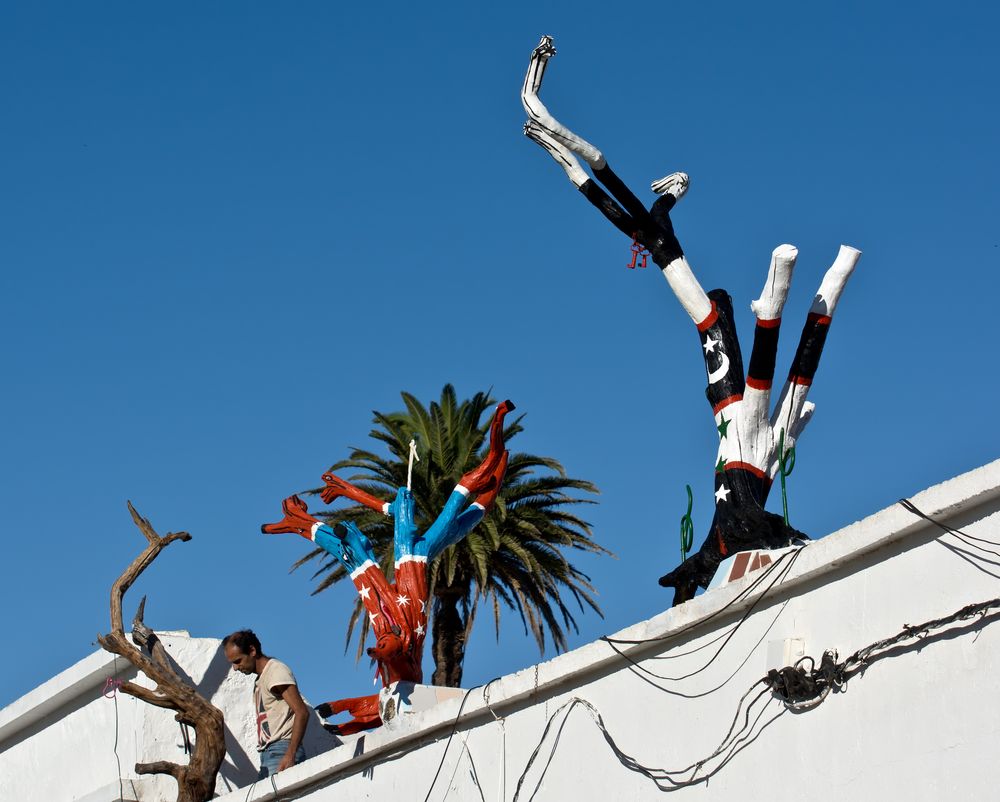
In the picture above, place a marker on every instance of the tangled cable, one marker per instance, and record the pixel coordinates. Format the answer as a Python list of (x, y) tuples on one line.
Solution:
[(801, 688), (795, 688)]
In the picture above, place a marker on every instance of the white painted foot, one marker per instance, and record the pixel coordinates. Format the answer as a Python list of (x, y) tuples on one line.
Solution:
[(675, 184)]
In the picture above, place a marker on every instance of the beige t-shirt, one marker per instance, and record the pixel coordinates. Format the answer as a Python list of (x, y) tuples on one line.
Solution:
[(274, 716)]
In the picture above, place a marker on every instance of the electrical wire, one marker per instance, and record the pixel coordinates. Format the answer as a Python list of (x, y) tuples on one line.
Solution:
[(830, 676), (665, 779), (965, 537), (502, 789), (724, 633), (795, 687), (649, 676), (700, 622), (640, 670), (114, 684), (781, 575), (863, 657), (475, 774), (733, 740), (454, 729)]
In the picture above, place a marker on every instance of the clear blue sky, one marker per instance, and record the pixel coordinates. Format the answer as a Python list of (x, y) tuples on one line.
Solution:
[(231, 230)]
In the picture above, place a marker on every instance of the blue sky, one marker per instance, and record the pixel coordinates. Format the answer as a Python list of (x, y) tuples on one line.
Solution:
[(232, 230)]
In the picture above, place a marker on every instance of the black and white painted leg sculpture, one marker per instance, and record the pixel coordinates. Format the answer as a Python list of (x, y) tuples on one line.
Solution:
[(749, 434)]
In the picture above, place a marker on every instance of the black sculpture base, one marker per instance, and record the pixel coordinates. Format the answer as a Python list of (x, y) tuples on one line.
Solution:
[(733, 530)]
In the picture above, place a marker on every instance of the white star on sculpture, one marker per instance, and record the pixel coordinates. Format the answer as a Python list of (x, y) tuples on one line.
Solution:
[(373, 616), (710, 344), (402, 601), (722, 494), (363, 593), (420, 629)]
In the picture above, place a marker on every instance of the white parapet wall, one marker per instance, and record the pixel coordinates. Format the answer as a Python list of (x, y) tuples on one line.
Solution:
[(73, 739), (920, 723)]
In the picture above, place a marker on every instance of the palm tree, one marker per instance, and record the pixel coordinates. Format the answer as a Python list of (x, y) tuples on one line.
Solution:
[(513, 558)]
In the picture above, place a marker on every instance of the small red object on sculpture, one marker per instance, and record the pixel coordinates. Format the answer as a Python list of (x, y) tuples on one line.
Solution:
[(638, 249)]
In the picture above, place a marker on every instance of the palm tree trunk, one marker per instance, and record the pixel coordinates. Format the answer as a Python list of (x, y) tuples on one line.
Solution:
[(448, 638)]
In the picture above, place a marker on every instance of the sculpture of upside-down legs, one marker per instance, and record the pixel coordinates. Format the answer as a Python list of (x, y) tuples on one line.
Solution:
[(349, 545), (456, 520), (397, 612), (749, 438)]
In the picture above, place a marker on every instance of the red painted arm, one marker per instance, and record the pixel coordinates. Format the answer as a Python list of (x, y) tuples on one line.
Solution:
[(297, 520)]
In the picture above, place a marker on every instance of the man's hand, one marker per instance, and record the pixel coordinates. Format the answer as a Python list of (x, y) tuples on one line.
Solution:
[(287, 761), (291, 695)]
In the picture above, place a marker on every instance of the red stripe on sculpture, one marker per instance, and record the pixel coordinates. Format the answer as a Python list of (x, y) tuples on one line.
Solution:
[(725, 402), (709, 321), (746, 466)]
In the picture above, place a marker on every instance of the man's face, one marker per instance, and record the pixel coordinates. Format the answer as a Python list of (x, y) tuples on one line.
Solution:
[(244, 663)]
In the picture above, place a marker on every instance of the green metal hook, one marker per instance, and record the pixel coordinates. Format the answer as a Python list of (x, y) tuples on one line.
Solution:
[(687, 527), (786, 464)]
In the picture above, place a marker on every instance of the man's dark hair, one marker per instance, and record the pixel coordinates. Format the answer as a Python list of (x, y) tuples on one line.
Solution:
[(243, 639)]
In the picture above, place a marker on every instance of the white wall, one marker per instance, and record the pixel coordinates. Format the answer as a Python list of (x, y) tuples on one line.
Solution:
[(920, 725), (58, 742)]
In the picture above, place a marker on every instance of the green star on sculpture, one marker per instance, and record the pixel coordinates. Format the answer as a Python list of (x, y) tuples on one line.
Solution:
[(723, 425)]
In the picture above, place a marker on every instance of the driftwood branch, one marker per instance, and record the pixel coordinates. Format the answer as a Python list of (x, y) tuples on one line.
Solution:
[(139, 564), (159, 767), (195, 781), (147, 639), (146, 695)]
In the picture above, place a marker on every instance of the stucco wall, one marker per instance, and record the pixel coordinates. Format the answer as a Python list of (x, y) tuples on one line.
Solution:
[(921, 724), (918, 725), (58, 742)]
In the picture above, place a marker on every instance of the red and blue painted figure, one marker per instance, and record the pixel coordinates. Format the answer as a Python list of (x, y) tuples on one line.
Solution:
[(397, 611)]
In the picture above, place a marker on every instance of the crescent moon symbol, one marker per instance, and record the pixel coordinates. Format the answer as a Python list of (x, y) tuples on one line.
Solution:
[(721, 371)]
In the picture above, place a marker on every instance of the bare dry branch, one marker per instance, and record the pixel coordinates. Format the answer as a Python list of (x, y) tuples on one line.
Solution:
[(196, 781), (160, 767), (148, 696), (147, 639), (139, 564)]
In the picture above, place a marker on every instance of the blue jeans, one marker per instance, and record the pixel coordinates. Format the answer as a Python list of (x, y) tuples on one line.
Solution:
[(272, 755)]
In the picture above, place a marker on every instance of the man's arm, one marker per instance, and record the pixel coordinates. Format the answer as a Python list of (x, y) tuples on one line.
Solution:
[(290, 694)]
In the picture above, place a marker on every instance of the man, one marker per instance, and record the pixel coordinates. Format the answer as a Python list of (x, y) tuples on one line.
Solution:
[(282, 715)]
